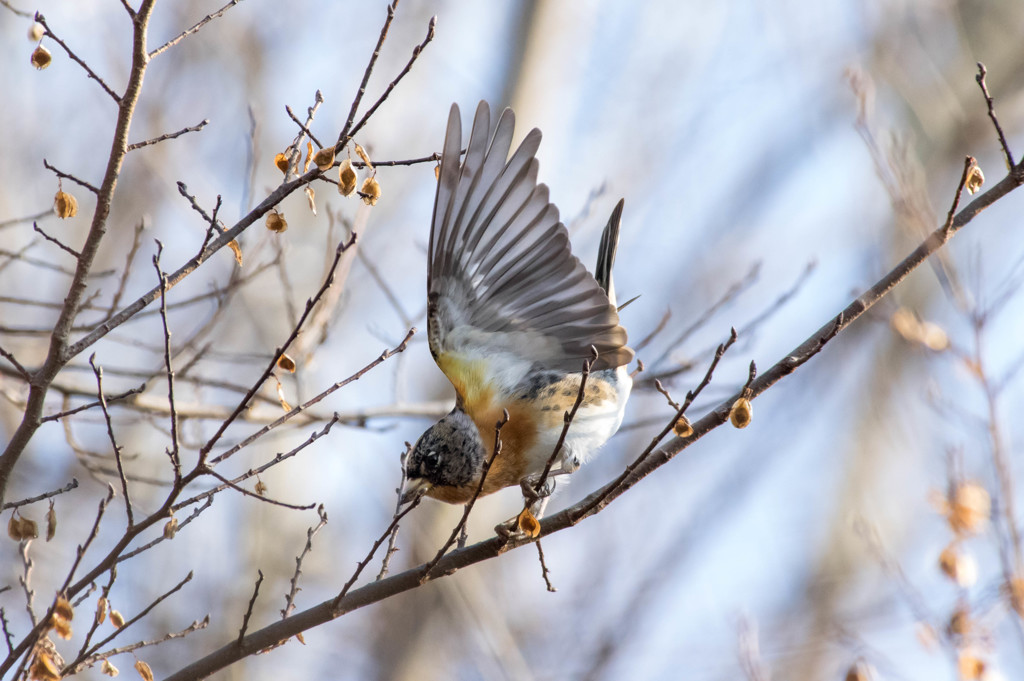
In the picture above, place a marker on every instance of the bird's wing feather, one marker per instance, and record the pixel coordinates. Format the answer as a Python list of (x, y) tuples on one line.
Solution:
[(503, 285)]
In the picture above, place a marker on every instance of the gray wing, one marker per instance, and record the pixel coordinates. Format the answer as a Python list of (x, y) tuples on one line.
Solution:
[(501, 277)]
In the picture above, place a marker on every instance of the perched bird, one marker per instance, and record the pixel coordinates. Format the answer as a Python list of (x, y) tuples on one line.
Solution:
[(512, 315)]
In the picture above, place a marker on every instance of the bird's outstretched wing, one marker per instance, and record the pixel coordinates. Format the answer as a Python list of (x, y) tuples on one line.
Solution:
[(505, 293)]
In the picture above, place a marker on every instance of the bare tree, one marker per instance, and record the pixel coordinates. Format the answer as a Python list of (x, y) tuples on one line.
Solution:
[(205, 421)]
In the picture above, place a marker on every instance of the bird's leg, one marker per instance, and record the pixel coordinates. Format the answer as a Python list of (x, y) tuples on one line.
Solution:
[(536, 500)]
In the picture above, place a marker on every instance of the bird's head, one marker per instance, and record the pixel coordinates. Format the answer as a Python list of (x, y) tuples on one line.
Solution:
[(449, 454)]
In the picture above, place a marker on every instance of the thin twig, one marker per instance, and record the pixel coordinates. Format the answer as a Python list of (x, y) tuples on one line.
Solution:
[(169, 136), (46, 495), (113, 440), (373, 549), (289, 599), (544, 572), (100, 613), (344, 136), (120, 630), (104, 654), (174, 452), (64, 247), (181, 526), (19, 12), (401, 74), (84, 546), (738, 287), (215, 227), (310, 304), (433, 158), (67, 176), (107, 398), (302, 126), (129, 259), (74, 57), (252, 472), (8, 636), (254, 495), (385, 564), (595, 501), (31, 218), (982, 72), (252, 603), (969, 165), (25, 579), (22, 371), (384, 287), (192, 29)]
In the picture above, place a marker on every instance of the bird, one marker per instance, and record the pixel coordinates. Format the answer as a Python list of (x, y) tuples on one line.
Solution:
[(512, 315)]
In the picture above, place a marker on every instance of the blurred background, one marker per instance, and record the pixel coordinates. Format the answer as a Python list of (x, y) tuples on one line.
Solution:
[(776, 159)]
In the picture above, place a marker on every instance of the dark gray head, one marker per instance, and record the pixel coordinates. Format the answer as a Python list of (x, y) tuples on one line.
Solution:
[(449, 453)]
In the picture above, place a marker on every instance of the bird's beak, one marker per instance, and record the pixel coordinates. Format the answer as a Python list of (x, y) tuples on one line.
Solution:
[(415, 488)]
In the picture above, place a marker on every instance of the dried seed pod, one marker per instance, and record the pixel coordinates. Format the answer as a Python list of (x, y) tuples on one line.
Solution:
[(36, 32), (742, 413), (51, 523), (281, 161), (63, 609), (144, 671), (528, 524), (14, 527), (281, 397), (276, 222), (171, 528), (437, 172), (237, 250), (261, 487), (44, 668), (904, 322), (934, 337), (370, 191), (311, 198), (61, 626), (1015, 592), (65, 205), (29, 528), (324, 158), (109, 669), (101, 610), (309, 155), (41, 57), (960, 622), (861, 671), (363, 155), (969, 508), (958, 566), (927, 636), (116, 618), (970, 666), (975, 178), (347, 178), (682, 428), (286, 363)]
